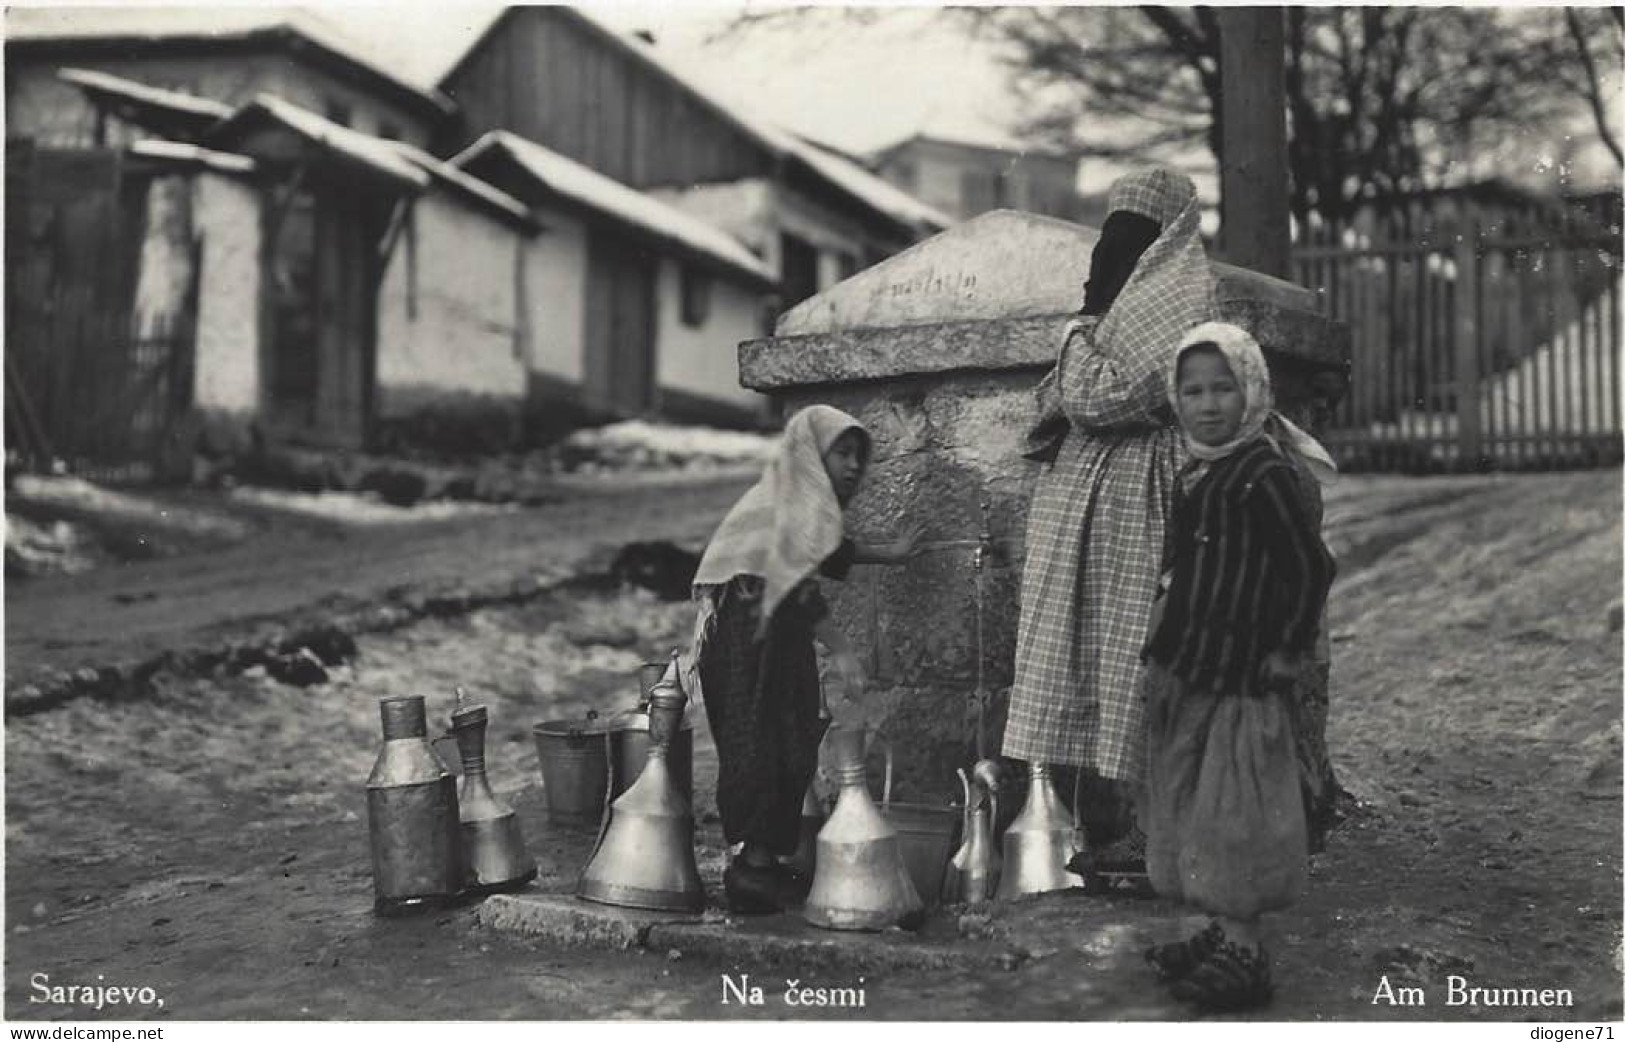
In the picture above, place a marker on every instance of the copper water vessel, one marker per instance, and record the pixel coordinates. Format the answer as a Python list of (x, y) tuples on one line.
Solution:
[(860, 881), (973, 876), (645, 852), (412, 818), (494, 857), (1040, 842)]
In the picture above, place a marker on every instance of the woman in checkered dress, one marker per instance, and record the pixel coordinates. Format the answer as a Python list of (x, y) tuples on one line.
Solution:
[(1095, 524)]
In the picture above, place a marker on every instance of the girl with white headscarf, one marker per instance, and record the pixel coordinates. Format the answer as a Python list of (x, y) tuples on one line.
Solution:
[(1244, 586), (760, 611)]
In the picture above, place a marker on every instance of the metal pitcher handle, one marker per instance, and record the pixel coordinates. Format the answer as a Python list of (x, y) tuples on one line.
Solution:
[(885, 791)]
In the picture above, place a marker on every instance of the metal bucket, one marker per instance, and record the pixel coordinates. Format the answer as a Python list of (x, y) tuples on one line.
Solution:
[(926, 832), (574, 757)]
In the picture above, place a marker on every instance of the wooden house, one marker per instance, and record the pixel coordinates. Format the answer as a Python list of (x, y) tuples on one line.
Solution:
[(557, 77), (638, 306)]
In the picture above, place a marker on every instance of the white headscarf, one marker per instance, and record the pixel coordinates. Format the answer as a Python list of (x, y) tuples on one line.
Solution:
[(785, 526), (1259, 418)]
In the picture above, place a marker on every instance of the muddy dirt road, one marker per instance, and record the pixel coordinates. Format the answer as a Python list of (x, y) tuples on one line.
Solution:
[(209, 841)]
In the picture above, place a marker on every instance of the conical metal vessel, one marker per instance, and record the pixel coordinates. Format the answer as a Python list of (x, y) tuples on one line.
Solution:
[(860, 881), (494, 856), (973, 876), (645, 853), (1040, 842)]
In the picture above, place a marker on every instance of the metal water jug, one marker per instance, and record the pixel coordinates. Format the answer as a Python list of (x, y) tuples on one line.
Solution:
[(974, 873), (644, 857), (412, 819), (629, 741), (1040, 842), (860, 881), (494, 855)]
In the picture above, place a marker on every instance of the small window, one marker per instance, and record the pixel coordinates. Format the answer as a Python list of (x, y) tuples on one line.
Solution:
[(696, 290), (847, 263), (388, 131), (338, 112), (904, 174)]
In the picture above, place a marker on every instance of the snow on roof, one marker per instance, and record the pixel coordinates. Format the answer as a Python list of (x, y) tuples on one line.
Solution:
[(467, 183), (106, 83), (879, 193), (849, 178), (225, 162), (985, 138), (844, 175), (585, 187), (203, 22), (377, 153)]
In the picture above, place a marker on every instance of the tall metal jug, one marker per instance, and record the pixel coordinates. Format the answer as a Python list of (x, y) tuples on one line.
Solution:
[(645, 852), (974, 872), (494, 855), (629, 741), (412, 818), (860, 881), (1040, 842)]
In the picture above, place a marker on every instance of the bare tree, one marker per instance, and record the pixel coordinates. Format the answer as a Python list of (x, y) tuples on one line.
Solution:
[(1380, 99), (1583, 49)]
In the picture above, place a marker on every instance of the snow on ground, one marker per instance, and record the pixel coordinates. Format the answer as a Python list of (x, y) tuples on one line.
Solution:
[(52, 547), (362, 508), (78, 494), (642, 444)]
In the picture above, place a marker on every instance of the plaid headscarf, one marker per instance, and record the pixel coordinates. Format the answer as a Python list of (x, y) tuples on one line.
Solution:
[(1158, 193), (1259, 418), (790, 521), (1170, 290), (1172, 287)]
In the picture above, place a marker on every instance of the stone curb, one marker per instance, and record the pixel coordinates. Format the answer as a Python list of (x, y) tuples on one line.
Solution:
[(563, 920)]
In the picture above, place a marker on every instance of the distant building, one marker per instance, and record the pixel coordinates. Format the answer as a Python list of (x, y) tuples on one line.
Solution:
[(228, 55), (555, 76), (965, 179)]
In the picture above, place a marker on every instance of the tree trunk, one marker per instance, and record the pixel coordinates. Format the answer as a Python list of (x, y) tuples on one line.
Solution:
[(1255, 229)]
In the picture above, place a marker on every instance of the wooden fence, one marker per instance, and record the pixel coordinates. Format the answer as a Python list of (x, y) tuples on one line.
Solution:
[(1475, 353)]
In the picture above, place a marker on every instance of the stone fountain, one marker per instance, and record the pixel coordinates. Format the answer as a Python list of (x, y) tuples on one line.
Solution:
[(936, 351)]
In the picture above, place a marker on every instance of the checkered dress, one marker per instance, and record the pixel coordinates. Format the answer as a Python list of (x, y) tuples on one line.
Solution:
[(1095, 524)]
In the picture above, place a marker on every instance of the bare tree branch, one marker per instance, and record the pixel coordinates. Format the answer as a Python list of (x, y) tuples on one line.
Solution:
[(1593, 91)]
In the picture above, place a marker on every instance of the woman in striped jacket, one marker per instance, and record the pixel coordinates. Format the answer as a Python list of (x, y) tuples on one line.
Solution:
[(1244, 584)]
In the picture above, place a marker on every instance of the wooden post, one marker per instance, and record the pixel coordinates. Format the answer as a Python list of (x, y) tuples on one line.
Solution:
[(1255, 227), (1466, 346)]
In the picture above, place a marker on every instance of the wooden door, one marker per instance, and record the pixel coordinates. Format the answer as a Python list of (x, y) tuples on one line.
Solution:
[(343, 320), (620, 340), (319, 365)]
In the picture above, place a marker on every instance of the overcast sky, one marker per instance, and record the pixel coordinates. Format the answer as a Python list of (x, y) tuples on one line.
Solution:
[(853, 83)]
